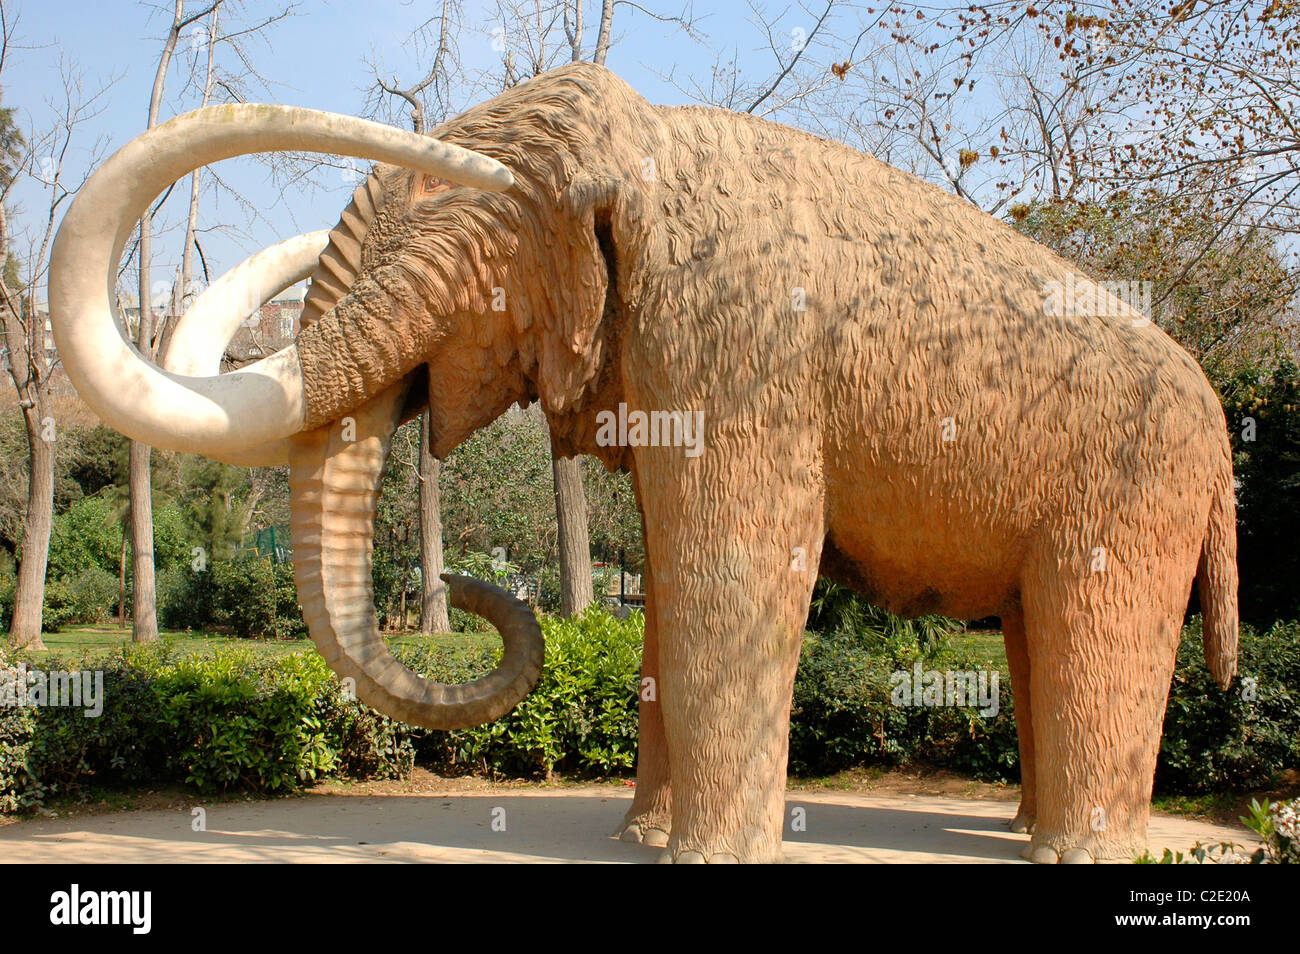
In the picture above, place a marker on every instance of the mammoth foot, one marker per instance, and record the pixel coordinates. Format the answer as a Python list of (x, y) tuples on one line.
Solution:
[(1023, 823), (1074, 850), (706, 850), (643, 831), (1047, 855), (689, 856)]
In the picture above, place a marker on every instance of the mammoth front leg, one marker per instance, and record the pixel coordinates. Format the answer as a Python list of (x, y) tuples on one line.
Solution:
[(734, 545)]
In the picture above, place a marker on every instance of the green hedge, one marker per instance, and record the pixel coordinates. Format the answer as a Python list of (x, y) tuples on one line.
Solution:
[(843, 716), (1218, 741), (232, 720), (581, 718), (238, 721), (248, 596)]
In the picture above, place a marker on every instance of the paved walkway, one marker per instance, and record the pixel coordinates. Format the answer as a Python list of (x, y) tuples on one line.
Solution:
[(549, 825)]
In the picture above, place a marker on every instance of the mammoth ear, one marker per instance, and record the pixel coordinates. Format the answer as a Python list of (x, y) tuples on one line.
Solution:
[(586, 303)]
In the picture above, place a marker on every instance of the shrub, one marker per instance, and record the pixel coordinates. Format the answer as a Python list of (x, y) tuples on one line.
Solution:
[(581, 718), (843, 715), (59, 607), (1278, 827), (230, 720), (20, 789), (1217, 741), (365, 743), (87, 597), (184, 597), (8, 586), (256, 597)]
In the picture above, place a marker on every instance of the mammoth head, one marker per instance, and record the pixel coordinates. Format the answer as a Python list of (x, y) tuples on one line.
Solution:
[(450, 279)]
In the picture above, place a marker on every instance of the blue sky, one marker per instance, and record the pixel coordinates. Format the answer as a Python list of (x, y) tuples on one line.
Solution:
[(316, 58)]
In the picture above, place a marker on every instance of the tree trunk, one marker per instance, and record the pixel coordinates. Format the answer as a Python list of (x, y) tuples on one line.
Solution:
[(575, 551), (29, 598), (183, 294), (145, 622), (121, 579), (144, 613), (602, 37), (433, 596)]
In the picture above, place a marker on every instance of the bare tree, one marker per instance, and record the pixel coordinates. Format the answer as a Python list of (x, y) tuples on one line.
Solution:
[(434, 613), (436, 34), (144, 612), (183, 290), (31, 359)]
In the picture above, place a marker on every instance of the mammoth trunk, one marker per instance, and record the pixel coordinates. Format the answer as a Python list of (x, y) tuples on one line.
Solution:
[(335, 476)]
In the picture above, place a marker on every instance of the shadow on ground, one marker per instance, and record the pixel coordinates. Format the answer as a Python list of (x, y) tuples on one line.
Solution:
[(547, 826)]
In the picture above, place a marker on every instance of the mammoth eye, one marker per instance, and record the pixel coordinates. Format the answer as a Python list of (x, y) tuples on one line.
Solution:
[(433, 184)]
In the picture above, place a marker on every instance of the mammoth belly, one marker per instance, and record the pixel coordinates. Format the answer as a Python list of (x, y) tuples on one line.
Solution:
[(914, 553)]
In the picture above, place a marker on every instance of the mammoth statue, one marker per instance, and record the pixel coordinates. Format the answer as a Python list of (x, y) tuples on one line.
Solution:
[(888, 391)]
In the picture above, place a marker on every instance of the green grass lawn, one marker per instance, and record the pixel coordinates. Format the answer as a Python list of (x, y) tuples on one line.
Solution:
[(91, 642), (987, 647)]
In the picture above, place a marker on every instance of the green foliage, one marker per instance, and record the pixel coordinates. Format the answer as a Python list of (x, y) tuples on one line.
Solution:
[(497, 491), (248, 596), (11, 152), (171, 540), (1237, 740), (8, 587), (843, 714), (255, 598), (100, 465), (216, 506), (20, 789), (1263, 408), (1278, 827), (87, 597), (837, 609), (581, 718), (88, 534), (364, 743), (231, 720), (184, 598), (59, 607), (242, 723)]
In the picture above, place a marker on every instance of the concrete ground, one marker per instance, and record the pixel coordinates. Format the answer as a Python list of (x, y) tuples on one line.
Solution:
[(541, 825)]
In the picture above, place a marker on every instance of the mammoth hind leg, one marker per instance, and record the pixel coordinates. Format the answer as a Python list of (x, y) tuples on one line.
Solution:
[(1013, 634), (1100, 662)]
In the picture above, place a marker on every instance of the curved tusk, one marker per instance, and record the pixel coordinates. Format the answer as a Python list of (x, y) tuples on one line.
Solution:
[(256, 405), (205, 331)]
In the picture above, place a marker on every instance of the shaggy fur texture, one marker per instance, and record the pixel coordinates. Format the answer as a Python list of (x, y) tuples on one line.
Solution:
[(885, 398)]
